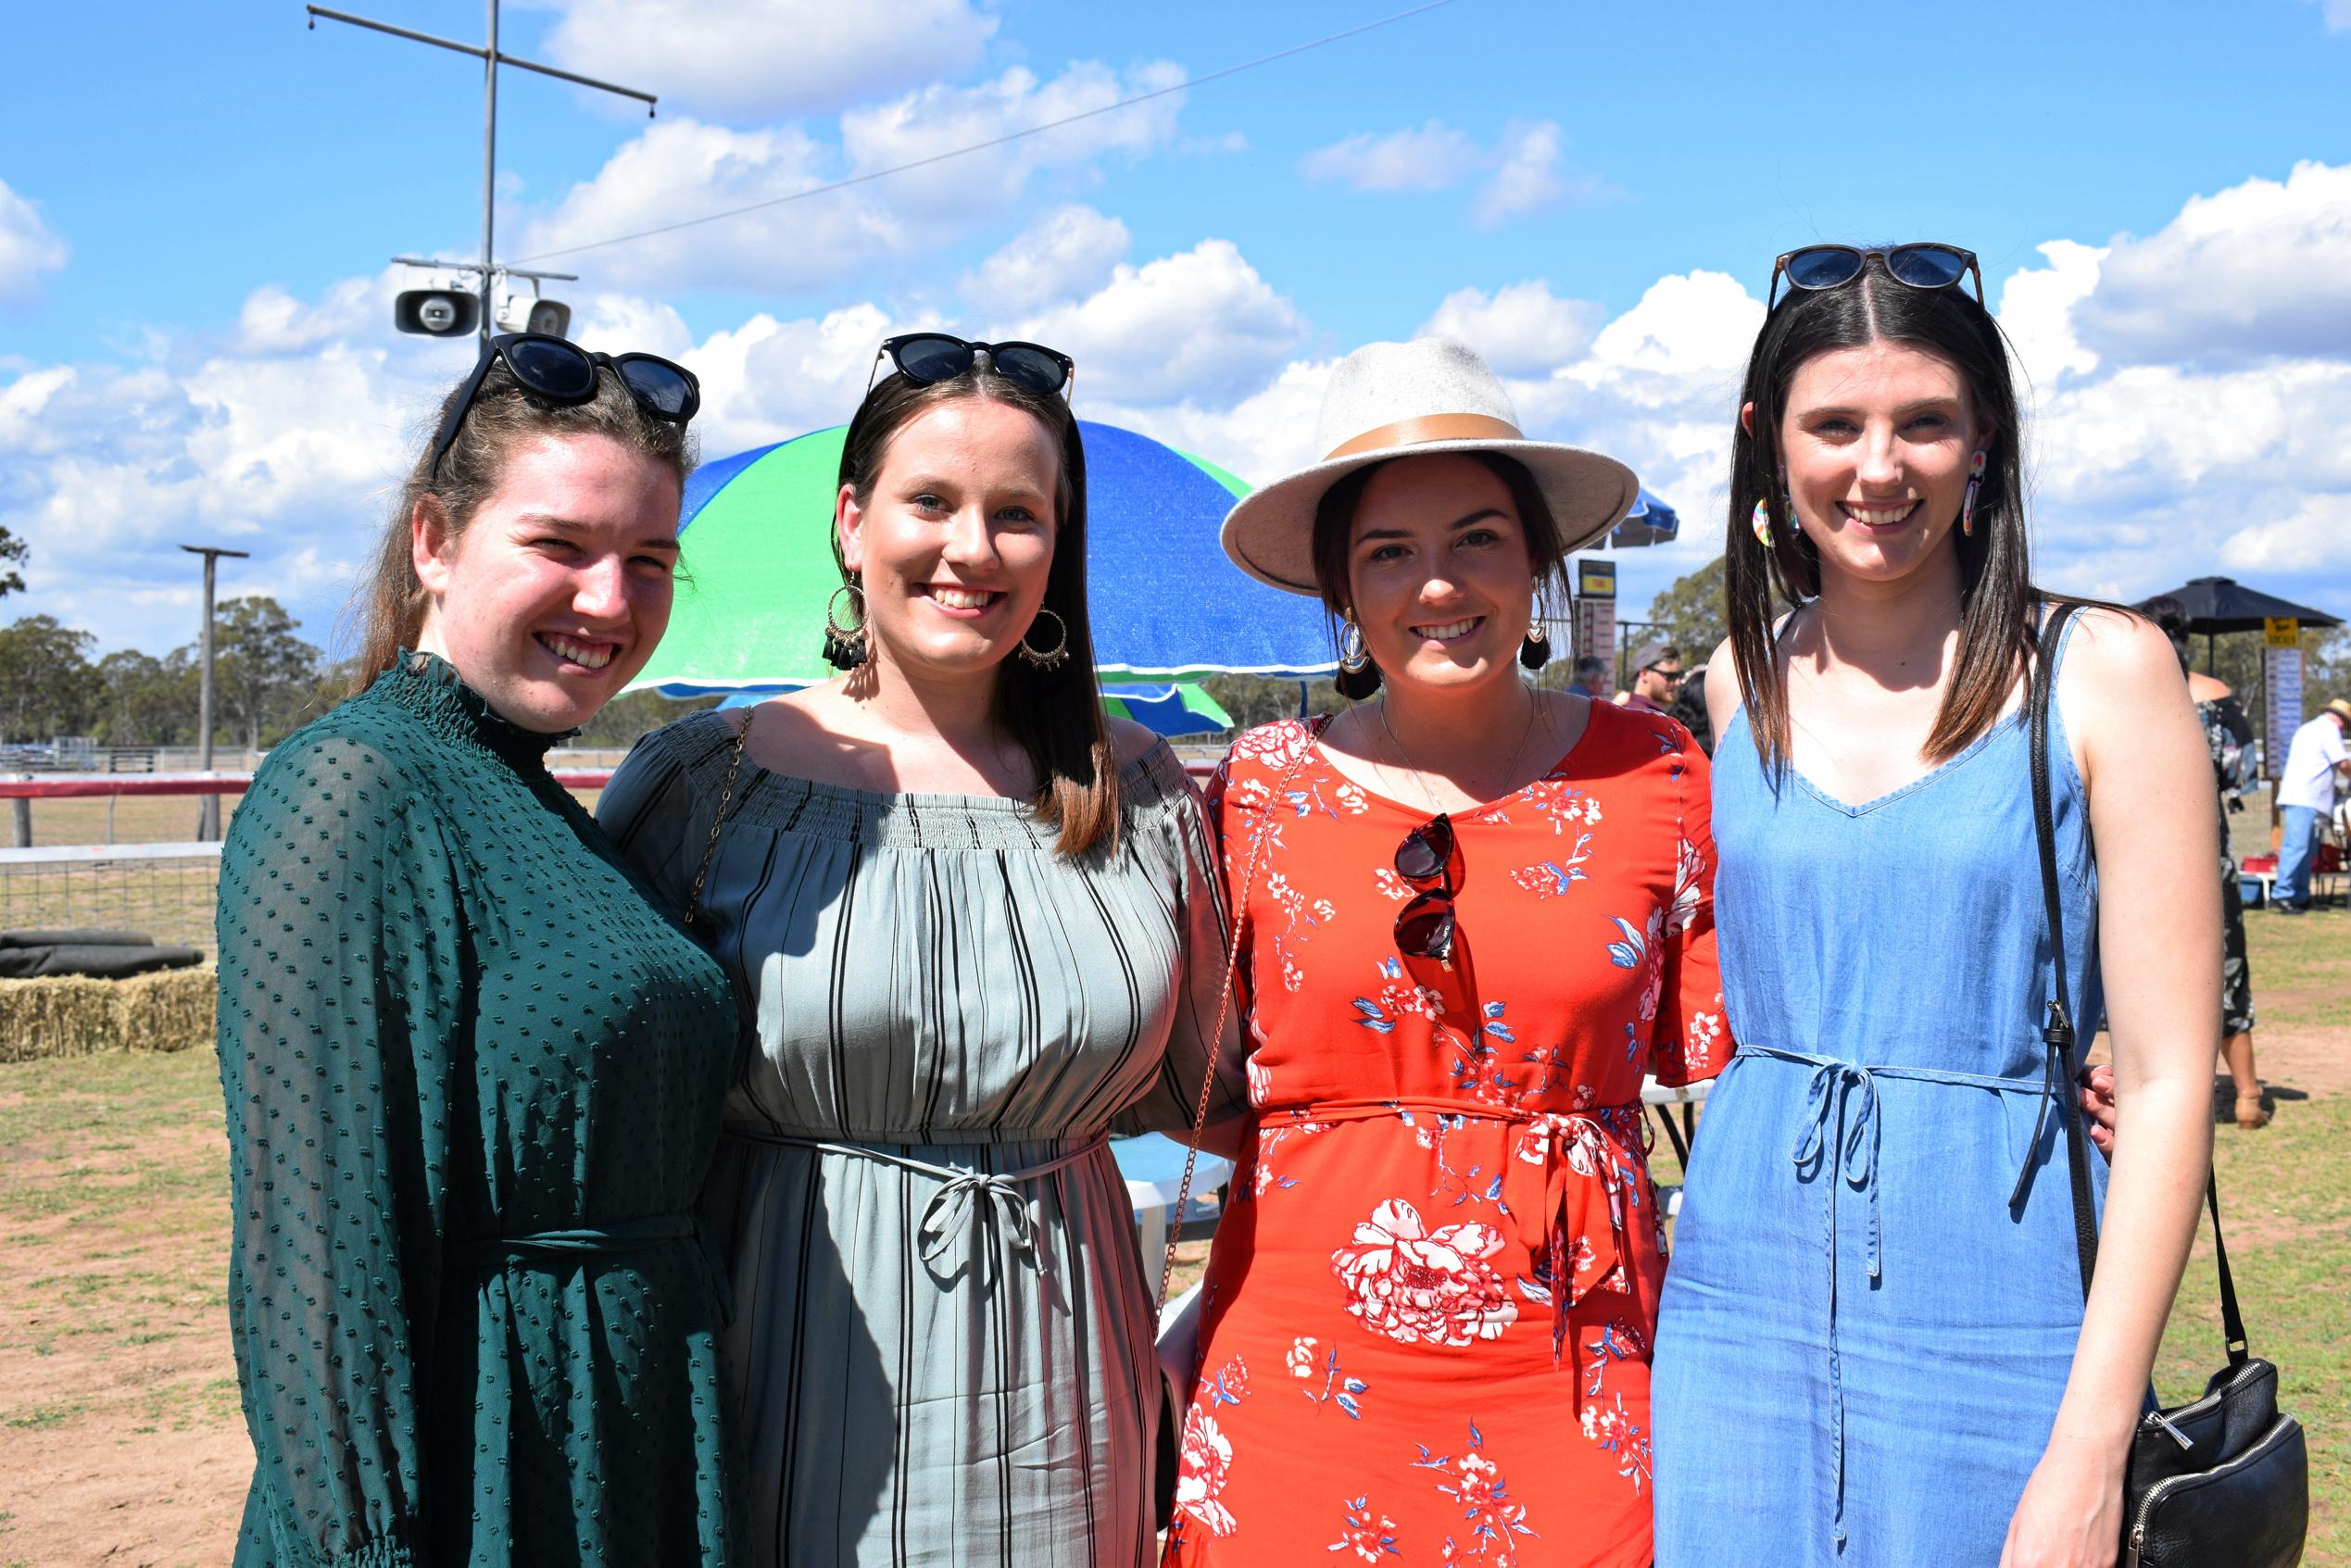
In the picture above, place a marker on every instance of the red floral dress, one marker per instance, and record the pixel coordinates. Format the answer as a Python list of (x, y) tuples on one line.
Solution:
[(1428, 1311)]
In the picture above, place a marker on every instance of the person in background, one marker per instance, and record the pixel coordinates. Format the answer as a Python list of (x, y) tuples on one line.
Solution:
[(1592, 677), (2229, 734), (473, 1072), (1657, 679), (2317, 765), (1690, 710), (975, 924)]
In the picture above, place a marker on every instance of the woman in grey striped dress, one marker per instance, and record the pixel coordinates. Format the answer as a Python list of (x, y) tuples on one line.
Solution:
[(972, 927)]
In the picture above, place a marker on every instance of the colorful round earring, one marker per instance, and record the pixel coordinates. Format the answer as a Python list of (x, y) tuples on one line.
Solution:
[(1761, 522)]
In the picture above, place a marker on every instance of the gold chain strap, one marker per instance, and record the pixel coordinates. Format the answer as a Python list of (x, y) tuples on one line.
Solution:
[(702, 872), (1223, 1003)]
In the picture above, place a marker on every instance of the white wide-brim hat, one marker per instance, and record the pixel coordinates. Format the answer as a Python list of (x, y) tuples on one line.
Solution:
[(1410, 399)]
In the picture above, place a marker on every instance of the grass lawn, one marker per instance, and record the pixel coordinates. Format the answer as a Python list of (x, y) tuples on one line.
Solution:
[(120, 1433)]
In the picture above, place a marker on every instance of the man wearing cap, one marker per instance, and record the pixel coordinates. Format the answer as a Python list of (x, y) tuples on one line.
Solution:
[(1656, 678), (2316, 765)]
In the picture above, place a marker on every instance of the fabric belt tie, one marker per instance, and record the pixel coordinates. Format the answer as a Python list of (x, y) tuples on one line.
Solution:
[(550, 1249), (994, 1197), (1567, 1182), (1840, 1138)]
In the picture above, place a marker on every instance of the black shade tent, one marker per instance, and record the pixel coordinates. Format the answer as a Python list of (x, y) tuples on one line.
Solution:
[(2223, 603)]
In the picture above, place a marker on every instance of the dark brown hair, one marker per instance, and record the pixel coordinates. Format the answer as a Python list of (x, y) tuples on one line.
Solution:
[(1055, 714), (1335, 527), (389, 603), (1997, 620)]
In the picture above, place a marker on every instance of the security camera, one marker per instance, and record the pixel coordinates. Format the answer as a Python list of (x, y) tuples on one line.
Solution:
[(436, 312)]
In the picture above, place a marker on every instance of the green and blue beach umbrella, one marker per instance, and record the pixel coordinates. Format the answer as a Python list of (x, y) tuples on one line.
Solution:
[(1168, 607)]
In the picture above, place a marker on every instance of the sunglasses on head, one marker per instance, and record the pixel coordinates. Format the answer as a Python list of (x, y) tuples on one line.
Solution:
[(1425, 927), (1920, 266), (925, 357), (557, 371)]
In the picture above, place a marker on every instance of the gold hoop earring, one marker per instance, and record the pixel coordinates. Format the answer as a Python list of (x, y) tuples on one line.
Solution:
[(1048, 658)]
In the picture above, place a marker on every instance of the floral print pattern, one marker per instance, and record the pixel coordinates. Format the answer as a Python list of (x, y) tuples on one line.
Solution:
[(1445, 1239)]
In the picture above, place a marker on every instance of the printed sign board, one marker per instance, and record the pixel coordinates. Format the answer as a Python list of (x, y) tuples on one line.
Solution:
[(2281, 633), (1595, 579), (2281, 705)]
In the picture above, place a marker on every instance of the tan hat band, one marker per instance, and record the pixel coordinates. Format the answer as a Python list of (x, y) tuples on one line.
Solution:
[(1426, 428)]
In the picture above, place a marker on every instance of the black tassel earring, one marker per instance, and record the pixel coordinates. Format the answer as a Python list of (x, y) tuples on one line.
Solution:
[(845, 646), (1358, 677), (1535, 652)]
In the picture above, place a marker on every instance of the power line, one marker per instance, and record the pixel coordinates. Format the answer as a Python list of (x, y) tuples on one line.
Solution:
[(995, 141)]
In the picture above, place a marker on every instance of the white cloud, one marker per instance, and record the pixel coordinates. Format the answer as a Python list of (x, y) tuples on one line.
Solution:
[(1526, 177), (1198, 326), (746, 60), (2337, 14), (2259, 271), (2036, 309), (682, 170), (1521, 329), (1434, 158), (2316, 534), (1067, 252), (942, 119), (27, 249), (1521, 170)]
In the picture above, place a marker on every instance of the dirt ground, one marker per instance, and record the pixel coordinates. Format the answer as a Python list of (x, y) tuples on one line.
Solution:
[(121, 1441)]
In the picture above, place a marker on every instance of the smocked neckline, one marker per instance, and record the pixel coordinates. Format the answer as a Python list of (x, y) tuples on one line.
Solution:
[(430, 688), (911, 818)]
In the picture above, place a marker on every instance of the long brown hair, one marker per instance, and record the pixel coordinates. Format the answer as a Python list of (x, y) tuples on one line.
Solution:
[(1997, 620), (389, 603), (1056, 715)]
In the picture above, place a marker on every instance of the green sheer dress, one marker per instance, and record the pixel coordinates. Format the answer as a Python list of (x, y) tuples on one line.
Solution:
[(474, 1079)]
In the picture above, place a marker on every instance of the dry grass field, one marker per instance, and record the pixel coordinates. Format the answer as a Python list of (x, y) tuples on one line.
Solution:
[(121, 1443)]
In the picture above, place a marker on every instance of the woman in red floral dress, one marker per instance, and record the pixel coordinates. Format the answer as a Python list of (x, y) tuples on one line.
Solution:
[(1479, 914)]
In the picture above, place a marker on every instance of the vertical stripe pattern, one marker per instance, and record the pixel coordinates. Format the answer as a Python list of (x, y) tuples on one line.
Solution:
[(929, 978)]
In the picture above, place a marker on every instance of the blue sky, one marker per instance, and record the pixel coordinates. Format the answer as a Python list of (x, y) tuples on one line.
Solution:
[(198, 204)]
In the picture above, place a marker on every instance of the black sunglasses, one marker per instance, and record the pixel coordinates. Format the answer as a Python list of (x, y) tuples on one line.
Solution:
[(924, 357), (1425, 927), (557, 371), (1920, 266)]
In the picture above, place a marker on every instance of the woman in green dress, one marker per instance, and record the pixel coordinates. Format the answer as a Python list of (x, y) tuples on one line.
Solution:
[(474, 1074)]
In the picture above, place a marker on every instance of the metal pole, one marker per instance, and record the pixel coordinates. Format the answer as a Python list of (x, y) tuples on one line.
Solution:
[(489, 172), (209, 807)]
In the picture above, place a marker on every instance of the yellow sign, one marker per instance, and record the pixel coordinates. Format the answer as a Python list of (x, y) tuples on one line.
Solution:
[(2283, 633), (1596, 579)]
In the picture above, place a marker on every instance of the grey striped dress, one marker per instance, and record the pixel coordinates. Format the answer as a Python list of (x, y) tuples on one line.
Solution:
[(942, 1339)]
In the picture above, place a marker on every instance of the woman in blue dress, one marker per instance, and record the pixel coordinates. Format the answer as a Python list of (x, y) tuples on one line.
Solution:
[(1873, 1347)]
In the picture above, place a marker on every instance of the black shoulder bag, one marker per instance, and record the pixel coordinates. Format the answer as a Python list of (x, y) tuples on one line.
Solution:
[(2223, 1479)]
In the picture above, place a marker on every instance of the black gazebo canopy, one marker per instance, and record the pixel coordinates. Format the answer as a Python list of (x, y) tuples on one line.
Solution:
[(2223, 603)]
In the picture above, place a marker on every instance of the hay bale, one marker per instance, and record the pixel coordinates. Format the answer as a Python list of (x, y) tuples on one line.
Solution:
[(72, 1015), (62, 1015), (170, 1011)]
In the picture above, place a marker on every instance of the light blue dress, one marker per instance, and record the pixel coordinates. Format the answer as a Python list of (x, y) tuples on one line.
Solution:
[(1861, 1344)]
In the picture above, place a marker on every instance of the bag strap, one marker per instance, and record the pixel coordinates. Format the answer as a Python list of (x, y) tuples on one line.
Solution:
[(2057, 1034), (2060, 1032), (1224, 1005), (718, 818)]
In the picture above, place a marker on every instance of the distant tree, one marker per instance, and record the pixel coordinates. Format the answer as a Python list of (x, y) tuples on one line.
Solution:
[(1260, 699), (264, 671), (144, 700), (14, 553), (1689, 614), (623, 719), (46, 685)]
